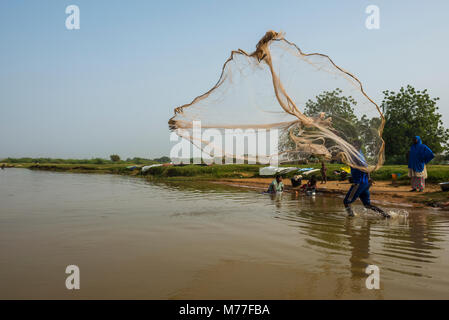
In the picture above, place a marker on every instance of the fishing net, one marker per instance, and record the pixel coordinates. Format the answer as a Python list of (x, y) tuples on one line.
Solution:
[(314, 107)]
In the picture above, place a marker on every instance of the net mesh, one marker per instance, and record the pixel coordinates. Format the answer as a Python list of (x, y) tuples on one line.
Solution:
[(318, 108)]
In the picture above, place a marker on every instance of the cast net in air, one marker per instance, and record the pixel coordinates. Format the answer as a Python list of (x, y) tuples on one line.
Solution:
[(316, 108)]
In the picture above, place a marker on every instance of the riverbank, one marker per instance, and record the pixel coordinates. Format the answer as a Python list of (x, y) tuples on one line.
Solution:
[(242, 175), (381, 192)]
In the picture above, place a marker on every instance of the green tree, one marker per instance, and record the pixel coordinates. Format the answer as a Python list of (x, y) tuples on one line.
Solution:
[(369, 135), (410, 113), (115, 157), (345, 123), (340, 108), (98, 161), (162, 159)]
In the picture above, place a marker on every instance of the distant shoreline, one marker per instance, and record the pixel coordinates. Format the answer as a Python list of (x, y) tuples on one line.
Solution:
[(241, 175)]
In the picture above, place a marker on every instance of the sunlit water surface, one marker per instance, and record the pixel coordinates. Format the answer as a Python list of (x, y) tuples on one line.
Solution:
[(136, 239)]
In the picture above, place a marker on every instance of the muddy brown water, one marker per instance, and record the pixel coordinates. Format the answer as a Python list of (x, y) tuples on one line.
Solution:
[(135, 239)]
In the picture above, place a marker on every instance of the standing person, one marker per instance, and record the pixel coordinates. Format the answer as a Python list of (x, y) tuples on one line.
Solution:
[(323, 173), (361, 182), (276, 185), (419, 156)]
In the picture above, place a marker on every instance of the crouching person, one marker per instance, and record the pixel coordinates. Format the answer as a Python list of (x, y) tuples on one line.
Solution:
[(276, 185)]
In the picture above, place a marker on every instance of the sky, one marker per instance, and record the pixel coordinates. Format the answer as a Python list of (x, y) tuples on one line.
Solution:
[(111, 86)]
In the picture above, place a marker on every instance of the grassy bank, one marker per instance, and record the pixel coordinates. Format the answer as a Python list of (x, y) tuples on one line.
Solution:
[(436, 173), (81, 168)]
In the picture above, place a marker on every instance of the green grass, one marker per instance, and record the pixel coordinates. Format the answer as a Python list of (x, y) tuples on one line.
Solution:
[(214, 171), (119, 168), (436, 173)]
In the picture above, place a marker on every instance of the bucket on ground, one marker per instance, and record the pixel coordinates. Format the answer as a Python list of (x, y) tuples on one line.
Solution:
[(444, 186)]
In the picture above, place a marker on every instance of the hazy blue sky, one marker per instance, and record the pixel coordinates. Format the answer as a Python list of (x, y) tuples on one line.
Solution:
[(111, 86)]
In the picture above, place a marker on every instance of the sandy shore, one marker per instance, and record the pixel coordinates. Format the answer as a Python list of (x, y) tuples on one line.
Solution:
[(381, 191)]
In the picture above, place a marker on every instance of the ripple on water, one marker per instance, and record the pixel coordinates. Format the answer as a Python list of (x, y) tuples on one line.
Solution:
[(178, 230)]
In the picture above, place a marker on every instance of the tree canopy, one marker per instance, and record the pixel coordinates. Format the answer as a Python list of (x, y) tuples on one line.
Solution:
[(340, 108), (344, 120), (115, 157), (410, 113)]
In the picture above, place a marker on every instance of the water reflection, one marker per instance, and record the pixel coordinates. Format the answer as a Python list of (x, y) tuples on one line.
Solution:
[(404, 245), (359, 242)]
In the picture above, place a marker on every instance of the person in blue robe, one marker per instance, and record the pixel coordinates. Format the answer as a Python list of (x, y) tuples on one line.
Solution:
[(361, 183), (419, 156)]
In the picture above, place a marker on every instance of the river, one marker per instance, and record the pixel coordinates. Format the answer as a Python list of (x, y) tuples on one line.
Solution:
[(136, 239)]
